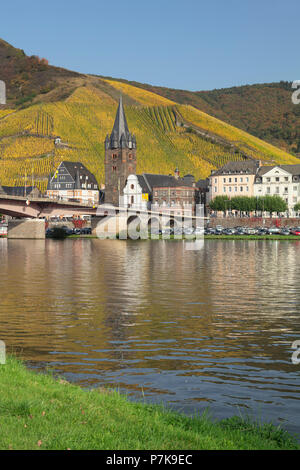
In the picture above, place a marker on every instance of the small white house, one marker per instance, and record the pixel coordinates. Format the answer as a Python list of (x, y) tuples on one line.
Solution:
[(133, 196)]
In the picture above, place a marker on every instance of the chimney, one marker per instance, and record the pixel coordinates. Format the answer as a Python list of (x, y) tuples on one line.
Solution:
[(176, 173)]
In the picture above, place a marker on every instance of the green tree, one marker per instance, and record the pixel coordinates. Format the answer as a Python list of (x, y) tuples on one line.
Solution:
[(220, 203), (243, 203), (271, 204), (297, 207)]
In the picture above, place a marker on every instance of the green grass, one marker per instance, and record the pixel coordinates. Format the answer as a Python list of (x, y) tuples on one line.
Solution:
[(38, 411), (252, 237)]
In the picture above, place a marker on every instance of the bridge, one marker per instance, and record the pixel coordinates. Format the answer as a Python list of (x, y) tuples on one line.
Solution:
[(19, 206), (34, 208), (112, 219)]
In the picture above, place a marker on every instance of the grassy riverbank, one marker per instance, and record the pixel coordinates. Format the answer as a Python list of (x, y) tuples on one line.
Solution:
[(39, 412)]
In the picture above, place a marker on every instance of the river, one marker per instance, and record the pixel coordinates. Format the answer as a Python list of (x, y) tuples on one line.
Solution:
[(191, 329)]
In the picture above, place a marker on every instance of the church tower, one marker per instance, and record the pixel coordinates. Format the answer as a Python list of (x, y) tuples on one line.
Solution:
[(120, 157)]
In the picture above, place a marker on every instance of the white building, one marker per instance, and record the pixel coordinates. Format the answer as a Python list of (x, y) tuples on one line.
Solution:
[(134, 196), (281, 180)]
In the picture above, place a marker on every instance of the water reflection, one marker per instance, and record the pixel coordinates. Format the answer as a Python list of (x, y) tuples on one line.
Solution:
[(190, 328)]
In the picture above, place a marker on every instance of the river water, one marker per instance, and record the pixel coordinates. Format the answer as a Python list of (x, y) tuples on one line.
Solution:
[(192, 329)]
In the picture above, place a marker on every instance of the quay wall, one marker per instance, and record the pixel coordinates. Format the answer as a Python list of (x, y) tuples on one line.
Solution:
[(26, 229)]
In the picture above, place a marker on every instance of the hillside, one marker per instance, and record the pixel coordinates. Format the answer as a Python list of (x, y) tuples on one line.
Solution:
[(264, 110), (81, 110)]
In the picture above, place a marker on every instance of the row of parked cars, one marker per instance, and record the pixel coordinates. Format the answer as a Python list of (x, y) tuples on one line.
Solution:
[(177, 231), (218, 230), (70, 231)]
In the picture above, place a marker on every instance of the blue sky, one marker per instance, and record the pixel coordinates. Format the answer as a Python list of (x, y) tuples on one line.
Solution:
[(187, 44)]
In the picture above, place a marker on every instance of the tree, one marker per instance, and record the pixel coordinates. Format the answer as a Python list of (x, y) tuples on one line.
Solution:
[(297, 207), (220, 203), (271, 204), (243, 203)]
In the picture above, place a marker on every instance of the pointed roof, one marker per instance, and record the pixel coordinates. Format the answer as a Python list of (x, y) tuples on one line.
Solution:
[(120, 128)]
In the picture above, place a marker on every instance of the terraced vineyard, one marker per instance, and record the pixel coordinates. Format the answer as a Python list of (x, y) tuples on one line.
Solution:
[(201, 143)]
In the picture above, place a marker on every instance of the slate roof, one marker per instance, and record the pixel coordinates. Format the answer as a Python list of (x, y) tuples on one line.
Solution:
[(243, 166), (292, 169), (143, 184), (75, 168), (203, 184), (17, 190), (164, 181)]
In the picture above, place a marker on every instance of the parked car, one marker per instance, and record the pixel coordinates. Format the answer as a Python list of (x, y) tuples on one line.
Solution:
[(273, 231), (250, 231), (188, 230), (285, 232), (295, 231), (156, 231), (177, 231), (199, 231), (167, 231), (86, 231)]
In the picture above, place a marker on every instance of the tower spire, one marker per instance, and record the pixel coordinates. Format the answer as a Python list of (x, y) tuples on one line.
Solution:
[(120, 128)]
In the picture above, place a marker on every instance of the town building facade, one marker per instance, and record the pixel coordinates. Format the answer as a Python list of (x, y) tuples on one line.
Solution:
[(135, 194), (233, 179), (281, 180), (73, 181)]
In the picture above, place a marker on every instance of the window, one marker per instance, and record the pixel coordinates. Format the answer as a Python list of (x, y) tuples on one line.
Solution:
[(215, 189), (224, 189), (216, 180), (247, 188), (247, 179), (286, 178), (295, 188), (132, 186), (277, 178), (229, 180), (229, 189), (241, 180), (268, 180), (235, 180), (235, 189), (241, 189), (114, 169), (286, 190), (277, 189), (224, 180)]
